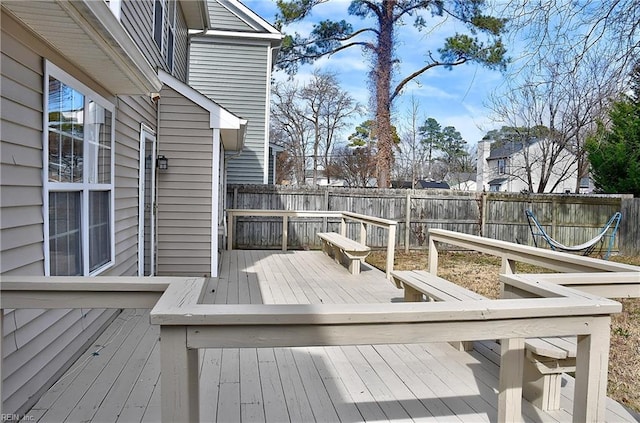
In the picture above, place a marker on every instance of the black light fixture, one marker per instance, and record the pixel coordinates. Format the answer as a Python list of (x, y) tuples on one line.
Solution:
[(162, 163)]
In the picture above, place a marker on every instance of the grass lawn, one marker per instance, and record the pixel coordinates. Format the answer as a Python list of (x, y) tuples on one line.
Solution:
[(479, 272)]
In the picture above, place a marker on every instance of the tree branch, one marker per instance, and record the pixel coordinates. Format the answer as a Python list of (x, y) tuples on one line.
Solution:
[(422, 70)]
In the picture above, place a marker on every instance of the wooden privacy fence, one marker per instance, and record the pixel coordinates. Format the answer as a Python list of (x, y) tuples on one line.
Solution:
[(568, 218)]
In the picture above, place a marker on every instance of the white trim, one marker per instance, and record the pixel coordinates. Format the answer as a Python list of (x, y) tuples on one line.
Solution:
[(51, 70), (145, 133), (257, 21), (215, 201), (266, 119), (248, 35)]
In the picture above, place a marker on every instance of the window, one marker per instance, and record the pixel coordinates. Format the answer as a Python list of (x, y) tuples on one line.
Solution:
[(78, 148), (502, 166), (158, 19), (164, 20)]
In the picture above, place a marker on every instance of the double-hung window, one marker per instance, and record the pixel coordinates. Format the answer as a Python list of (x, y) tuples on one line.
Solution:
[(164, 21), (78, 173)]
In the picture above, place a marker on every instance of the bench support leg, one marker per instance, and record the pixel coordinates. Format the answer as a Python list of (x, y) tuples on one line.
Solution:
[(541, 390), (354, 266)]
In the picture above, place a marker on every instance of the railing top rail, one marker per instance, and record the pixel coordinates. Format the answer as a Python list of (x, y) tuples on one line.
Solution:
[(554, 259), (355, 314), (289, 213), (310, 213), (86, 284), (370, 219)]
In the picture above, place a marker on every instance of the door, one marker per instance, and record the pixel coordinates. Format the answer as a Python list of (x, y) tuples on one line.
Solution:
[(147, 245)]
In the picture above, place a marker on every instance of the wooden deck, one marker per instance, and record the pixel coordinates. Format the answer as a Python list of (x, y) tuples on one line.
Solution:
[(118, 379)]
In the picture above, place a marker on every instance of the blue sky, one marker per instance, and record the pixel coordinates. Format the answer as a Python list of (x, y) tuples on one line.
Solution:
[(454, 97)]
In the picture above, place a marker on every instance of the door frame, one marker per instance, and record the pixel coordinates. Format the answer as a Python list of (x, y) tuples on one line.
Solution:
[(147, 135)]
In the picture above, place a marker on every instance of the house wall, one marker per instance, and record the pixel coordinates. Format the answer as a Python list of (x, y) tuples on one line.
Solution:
[(185, 189), (564, 170), (223, 20), (137, 19), (234, 74), (38, 345)]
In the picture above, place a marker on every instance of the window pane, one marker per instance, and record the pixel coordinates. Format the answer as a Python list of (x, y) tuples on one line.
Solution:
[(99, 229), (98, 137), (65, 241), (157, 23), (66, 132)]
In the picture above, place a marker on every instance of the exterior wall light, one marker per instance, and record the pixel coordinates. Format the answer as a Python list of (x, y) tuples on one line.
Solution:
[(162, 163)]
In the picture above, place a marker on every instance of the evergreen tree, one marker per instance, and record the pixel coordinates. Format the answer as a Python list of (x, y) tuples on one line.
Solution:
[(614, 153)]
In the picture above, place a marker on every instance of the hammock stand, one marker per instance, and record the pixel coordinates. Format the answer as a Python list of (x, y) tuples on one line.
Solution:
[(587, 247)]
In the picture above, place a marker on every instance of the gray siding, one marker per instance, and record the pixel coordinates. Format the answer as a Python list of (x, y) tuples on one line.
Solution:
[(184, 190), (137, 19), (235, 76), (39, 345), (221, 18)]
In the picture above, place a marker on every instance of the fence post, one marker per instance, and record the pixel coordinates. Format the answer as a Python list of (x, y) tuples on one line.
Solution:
[(230, 230), (407, 225)]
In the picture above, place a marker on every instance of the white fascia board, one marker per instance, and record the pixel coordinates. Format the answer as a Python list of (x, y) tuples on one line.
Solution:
[(248, 16), (274, 39), (133, 63)]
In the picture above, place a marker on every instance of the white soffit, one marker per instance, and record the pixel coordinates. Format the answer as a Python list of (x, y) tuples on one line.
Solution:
[(88, 34), (232, 128)]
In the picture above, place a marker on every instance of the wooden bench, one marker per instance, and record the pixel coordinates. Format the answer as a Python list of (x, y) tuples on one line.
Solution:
[(547, 358), (339, 246)]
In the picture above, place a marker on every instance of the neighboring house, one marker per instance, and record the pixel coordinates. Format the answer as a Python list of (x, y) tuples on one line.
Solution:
[(463, 181), (111, 164), (506, 168), (231, 63)]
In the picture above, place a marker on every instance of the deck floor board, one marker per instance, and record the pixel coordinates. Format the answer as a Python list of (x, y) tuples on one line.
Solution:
[(412, 382)]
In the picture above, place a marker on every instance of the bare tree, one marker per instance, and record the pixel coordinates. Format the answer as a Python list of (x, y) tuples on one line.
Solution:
[(411, 153), (311, 116), (353, 165), (286, 114), (567, 98)]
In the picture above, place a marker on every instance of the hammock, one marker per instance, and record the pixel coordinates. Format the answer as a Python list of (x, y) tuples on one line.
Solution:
[(588, 247)]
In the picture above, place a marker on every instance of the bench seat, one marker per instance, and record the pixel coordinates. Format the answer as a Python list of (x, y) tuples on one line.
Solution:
[(340, 247), (547, 358)]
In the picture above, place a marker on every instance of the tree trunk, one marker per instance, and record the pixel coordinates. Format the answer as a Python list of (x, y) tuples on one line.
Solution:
[(382, 75)]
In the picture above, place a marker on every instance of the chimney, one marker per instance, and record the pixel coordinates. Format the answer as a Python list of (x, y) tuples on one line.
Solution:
[(482, 178)]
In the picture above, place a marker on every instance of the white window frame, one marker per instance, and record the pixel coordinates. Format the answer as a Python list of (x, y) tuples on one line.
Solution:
[(502, 166), (84, 187)]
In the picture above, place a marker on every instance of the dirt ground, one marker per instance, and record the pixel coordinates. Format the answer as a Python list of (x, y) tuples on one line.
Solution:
[(479, 272)]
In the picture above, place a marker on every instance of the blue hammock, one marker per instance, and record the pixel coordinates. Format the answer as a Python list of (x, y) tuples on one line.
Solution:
[(587, 247)]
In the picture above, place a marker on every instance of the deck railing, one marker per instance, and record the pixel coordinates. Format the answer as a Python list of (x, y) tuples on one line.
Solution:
[(186, 325), (344, 216)]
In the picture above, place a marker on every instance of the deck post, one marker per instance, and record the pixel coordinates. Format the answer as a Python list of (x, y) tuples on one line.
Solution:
[(179, 376), (285, 231), (391, 250), (508, 266), (1, 355), (510, 388), (433, 257), (592, 362), (343, 226), (230, 230), (363, 233)]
